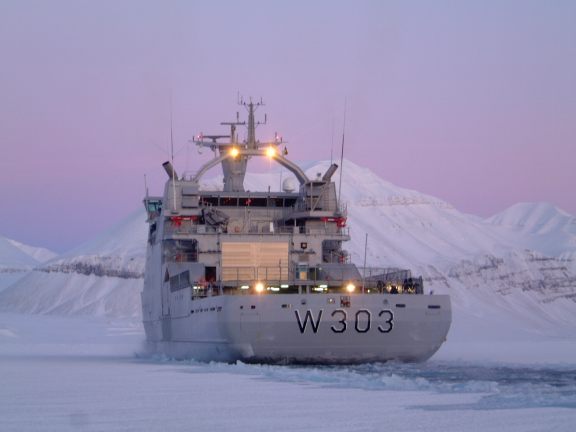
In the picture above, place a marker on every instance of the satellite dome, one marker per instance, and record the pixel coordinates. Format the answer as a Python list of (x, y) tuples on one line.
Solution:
[(288, 185)]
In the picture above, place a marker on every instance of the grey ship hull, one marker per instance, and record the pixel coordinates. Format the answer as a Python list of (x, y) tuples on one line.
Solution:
[(279, 328)]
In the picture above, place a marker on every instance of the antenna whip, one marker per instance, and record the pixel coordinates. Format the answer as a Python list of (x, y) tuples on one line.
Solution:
[(342, 153), (172, 157)]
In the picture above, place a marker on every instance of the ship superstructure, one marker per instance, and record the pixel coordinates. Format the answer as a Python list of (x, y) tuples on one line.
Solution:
[(262, 276)]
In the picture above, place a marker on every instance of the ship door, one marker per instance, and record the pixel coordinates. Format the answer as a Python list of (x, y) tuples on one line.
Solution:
[(210, 274)]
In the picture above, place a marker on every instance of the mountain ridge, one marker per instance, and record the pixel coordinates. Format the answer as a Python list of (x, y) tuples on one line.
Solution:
[(486, 265)]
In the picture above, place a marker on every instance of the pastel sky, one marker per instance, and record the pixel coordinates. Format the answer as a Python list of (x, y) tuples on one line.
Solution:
[(473, 102)]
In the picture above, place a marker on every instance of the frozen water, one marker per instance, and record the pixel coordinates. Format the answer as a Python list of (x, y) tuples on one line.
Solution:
[(502, 387), (69, 374)]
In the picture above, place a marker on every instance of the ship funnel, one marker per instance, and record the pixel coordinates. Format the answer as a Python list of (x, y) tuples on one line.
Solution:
[(170, 170), (328, 175)]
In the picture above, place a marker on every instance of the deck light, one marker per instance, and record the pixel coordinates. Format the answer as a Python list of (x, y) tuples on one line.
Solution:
[(259, 287), (350, 287), (270, 152), (234, 152)]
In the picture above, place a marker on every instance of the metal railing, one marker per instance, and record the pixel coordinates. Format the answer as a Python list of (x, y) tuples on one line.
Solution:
[(261, 229), (316, 280)]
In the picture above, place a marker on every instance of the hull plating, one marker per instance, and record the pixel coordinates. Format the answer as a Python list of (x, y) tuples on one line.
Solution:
[(305, 328)]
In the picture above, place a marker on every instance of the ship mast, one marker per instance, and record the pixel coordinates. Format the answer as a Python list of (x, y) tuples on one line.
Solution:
[(234, 156), (251, 144), (234, 169)]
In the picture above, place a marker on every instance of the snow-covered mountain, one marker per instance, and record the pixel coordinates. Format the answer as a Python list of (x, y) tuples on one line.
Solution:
[(118, 252), (100, 277), (536, 218), (18, 255), (518, 264), (40, 254), (542, 227), (12, 257), (16, 259)]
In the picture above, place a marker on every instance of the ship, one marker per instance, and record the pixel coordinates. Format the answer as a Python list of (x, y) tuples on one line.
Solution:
[(262, 276)]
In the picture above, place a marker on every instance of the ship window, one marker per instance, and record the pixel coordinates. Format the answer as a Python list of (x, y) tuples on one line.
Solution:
[(180, 281), (289, 202), (332, 252), (207, 201), (181, 250), (229, 202), (260, 202), (253, 202), (154, 206)]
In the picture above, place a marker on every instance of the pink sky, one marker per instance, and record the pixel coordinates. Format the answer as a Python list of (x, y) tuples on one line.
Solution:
[(473, 102)]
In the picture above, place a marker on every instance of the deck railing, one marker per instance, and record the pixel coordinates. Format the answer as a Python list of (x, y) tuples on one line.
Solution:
[(292, 279), (187, 228)]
